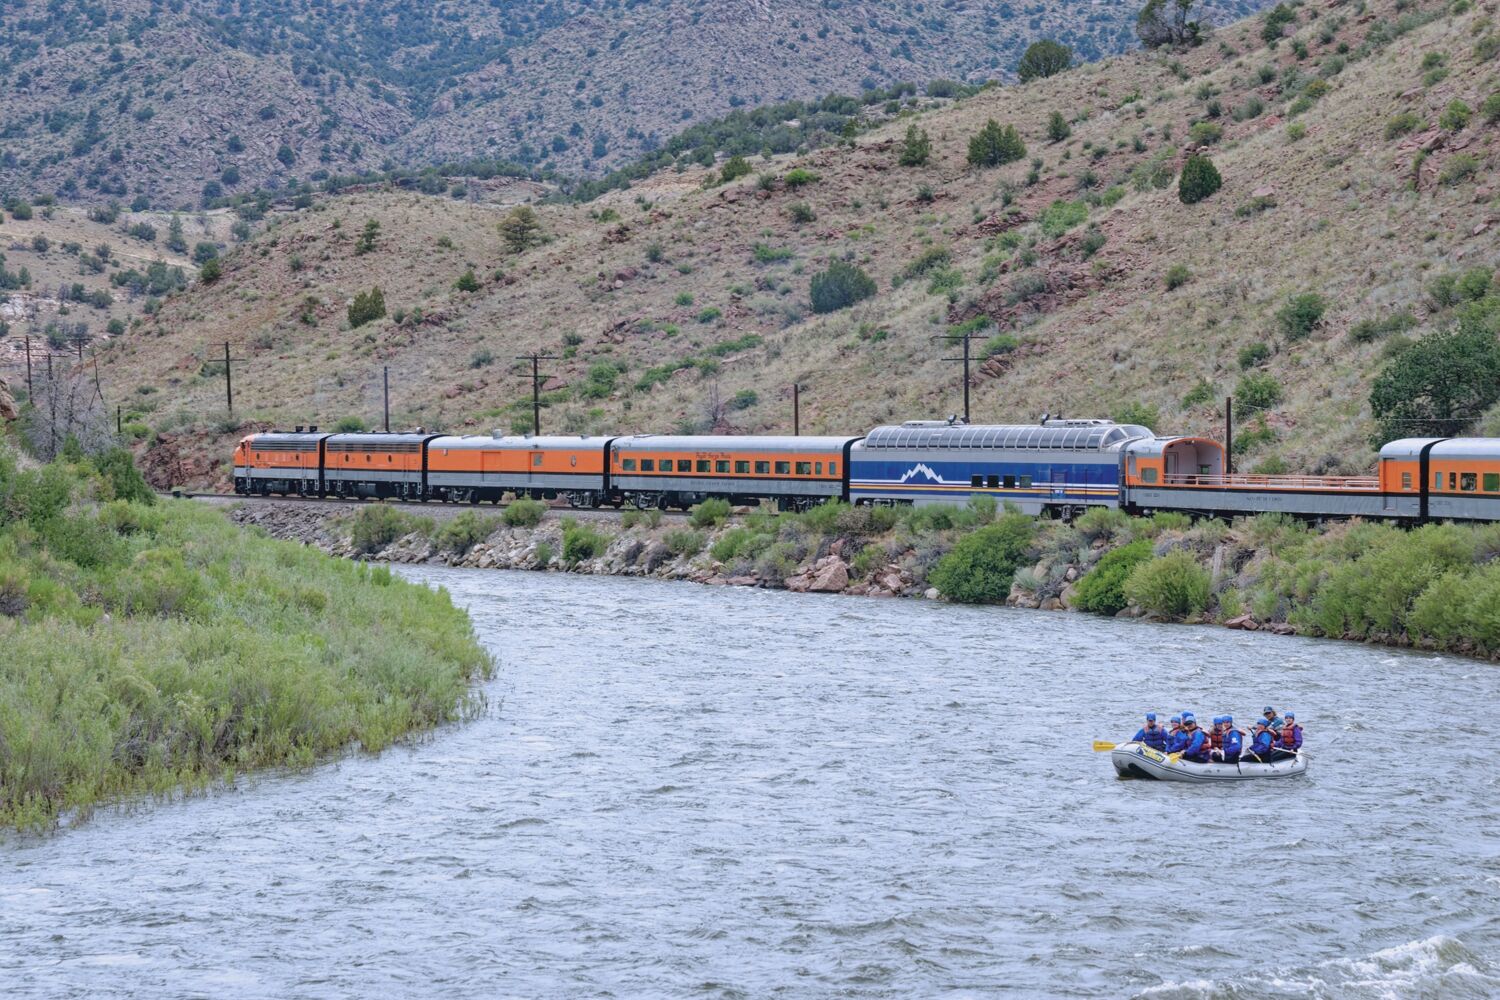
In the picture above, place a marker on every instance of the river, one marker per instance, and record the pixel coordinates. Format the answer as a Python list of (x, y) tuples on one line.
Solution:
[(684, 791)]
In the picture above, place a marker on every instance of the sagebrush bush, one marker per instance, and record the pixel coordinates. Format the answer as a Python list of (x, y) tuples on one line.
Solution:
[(580, 542), (374, 527), (1300, 315), (461, 533), (710, 513), (1173, 585)]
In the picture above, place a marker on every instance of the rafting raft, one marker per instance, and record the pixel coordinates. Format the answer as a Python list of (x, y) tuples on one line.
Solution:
[(1136, 760)]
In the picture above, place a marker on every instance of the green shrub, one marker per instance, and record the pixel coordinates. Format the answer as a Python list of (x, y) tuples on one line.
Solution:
[(1102, 522), (1455, 116), (581, 542), (1173, 585), (1141, 414), (366, 307), (1177, 275), (734, 168), (799, 177), (349, 425), (122, 479), (801, 212), (374, 527), (1002, 343), (1253, 354), (1057, 127), (1205, 134), (1402, 124), (1258, 391), (461, 533), (1367, 330), (1301, 315), (1060, 216), (711, 513), (840, 286), (979, 569), (1436, 385), (994, 146), (1102, 589), (523, 512), (632, 518), (684, 543), (1199, 179), (1459, 168), (543, 553), (931, 259), (1491, 108), (710, 314), (467, 282)]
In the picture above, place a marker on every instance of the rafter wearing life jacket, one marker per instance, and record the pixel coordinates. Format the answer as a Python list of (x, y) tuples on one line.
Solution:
[(1151, 734)]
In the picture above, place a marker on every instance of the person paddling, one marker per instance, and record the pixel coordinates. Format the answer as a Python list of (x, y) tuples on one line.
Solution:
[(1151, 734), (1289, 742), (1264, 742), (1196, 746)]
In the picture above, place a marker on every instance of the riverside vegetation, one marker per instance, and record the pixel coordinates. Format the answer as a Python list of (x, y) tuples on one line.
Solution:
[(1437, 586), (150, 647)]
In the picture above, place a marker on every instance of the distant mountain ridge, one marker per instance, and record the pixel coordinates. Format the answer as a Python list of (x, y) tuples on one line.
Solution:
[(171, 102)]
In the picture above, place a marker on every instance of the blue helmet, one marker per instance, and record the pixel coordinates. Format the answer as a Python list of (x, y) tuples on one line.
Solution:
[(1175, 718), (1290, 716), (1150, 716), (1189, 717), (1229, 719), (1263, 722)]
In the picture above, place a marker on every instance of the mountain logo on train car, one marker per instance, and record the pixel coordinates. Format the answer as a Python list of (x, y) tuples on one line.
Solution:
[(922, 470)]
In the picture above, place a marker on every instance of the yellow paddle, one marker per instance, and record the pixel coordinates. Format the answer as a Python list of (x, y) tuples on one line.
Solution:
[(1103, 746)]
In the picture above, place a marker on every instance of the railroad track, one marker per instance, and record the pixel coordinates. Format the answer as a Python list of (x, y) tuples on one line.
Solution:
[(434, 507)]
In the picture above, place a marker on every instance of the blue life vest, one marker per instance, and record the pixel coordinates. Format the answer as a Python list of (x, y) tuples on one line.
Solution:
[(1155, 737)]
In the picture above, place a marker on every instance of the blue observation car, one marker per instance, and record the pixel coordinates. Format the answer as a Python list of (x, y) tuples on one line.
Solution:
[(1057, 467)]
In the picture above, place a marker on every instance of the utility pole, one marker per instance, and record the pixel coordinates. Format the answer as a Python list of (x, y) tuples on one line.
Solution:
[(385, 375), (229, 380), (1228, 435), (965, 359), (119, 420), (796, 410), (52, 406), (536, 386), (30, 393)]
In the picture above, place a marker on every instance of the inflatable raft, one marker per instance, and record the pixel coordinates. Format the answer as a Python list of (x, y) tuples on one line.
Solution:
[(1136, 760)]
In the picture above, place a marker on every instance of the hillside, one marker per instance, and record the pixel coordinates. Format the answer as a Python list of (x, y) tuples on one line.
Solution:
[(679, 305), (166, 104)]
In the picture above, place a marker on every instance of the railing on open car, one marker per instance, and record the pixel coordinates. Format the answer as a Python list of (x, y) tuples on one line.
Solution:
[(1241, 480)]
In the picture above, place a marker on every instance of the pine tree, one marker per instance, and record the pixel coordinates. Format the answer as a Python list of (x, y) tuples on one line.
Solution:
[(176, 242), (916, 148), (521, 230), (1057, 127), (1042, 59), (994, 146)]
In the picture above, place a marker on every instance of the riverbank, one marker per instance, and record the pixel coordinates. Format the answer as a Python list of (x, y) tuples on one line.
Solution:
[(153, 647), (1436, 587)]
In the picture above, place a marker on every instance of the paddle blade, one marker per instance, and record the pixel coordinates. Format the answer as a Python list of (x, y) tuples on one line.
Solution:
[(1101, 746)]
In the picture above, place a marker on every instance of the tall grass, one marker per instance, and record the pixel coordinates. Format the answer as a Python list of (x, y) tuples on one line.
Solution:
[(148, 649)]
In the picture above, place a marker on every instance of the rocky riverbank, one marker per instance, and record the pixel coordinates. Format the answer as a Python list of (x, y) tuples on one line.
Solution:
[(1428, 587)]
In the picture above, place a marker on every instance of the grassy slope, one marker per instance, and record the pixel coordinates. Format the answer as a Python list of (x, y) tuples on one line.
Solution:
[(1346, 223), (150, 648)]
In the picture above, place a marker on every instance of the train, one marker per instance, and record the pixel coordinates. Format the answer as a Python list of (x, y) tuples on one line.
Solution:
[(1056, 467)]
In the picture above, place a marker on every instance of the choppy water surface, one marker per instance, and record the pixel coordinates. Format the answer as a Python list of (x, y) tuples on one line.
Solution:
[(693, 792)]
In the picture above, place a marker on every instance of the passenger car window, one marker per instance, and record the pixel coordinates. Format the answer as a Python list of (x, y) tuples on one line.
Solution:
[(783, 468), (1406, 480), (703, 465), (976, 481), (1025, 482), (648, 465), (819, 468), (1492, 482), (1468, 482), (722, 465), (628, 465), (761, 468), (804, 468), (1147, 476), (742, 468), (994, 482), (1437, 480), (1010, 482), (1452, 480), (833, 468)]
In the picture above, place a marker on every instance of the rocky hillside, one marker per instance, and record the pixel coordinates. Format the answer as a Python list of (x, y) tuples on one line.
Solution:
[(165, 104), (1357, 211)]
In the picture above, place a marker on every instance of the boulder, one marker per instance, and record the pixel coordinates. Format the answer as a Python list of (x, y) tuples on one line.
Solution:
[(831, 577), (653, 555), (932, 593), (1246, 622), (8, 408), (797, 584)]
